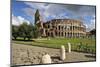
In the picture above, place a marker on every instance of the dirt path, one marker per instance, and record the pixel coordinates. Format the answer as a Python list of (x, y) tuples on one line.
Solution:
[(25, 55)]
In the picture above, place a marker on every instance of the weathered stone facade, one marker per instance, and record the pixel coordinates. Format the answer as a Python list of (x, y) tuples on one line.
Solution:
[(63, 28)]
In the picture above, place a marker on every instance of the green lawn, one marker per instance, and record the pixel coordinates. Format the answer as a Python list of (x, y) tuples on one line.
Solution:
[(87, 45)]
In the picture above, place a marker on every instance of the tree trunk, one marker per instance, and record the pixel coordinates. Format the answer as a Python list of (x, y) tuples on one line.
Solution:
[(15, 38), (24, 38), (28, 38)]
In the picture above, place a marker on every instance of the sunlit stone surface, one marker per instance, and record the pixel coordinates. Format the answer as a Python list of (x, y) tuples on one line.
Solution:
[(62, 53), (46, 59)]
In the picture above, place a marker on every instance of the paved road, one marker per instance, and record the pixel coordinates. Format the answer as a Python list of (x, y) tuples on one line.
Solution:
[(26, 54)]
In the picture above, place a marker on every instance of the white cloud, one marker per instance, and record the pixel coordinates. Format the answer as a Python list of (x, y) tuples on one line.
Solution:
[(37, 5), (91, 25), (17, 20), (29, 11), (46, 10), (58, 11)]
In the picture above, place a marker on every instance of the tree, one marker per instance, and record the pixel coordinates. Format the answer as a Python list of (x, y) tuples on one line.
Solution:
[(30, 31), (93, 32), (15, 32), (35, 32), (37, 16), (23, 30)]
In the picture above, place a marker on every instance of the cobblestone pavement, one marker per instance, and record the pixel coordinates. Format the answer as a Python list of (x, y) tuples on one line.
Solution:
[(26, 54)]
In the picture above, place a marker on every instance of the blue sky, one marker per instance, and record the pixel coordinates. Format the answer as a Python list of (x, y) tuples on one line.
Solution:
[(24, 12)]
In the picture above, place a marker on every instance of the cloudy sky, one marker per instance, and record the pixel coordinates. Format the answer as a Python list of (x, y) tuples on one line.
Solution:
[(24, 12)]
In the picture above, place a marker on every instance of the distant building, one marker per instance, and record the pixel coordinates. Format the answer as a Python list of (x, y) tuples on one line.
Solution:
[(61, 28)]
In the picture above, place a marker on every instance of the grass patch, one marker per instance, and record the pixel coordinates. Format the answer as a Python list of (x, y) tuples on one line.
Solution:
[(86, 45)]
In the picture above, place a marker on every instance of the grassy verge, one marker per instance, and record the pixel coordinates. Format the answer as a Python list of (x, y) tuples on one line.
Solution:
[(86, 45)]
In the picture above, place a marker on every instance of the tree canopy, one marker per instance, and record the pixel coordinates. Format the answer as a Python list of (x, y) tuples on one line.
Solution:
[(24, 31), (37, 16)]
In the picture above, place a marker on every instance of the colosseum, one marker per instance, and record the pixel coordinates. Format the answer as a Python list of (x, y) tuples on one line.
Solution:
[(62, 28)]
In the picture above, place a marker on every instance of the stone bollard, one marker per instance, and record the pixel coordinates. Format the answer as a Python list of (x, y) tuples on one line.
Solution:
[(46, 59), (62, 53), (69, 47)]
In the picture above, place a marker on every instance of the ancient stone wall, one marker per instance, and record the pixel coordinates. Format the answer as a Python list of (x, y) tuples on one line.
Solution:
[(64, 28)]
